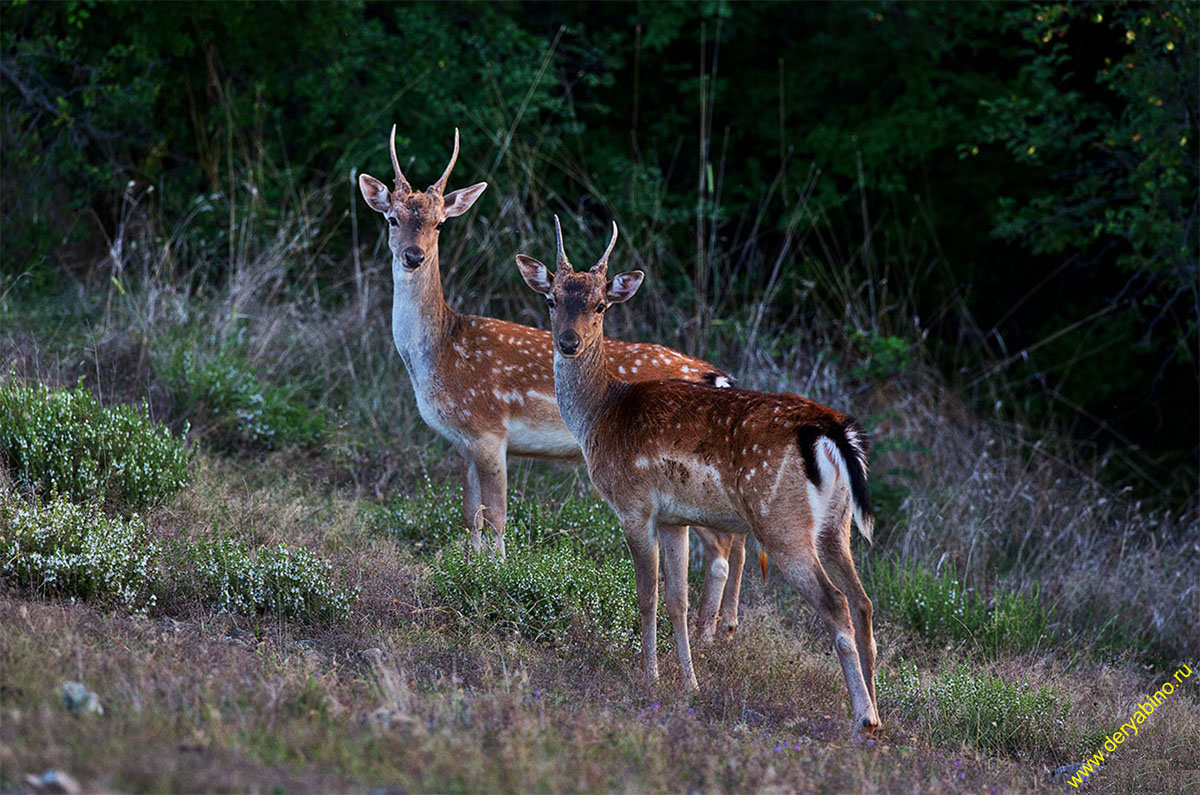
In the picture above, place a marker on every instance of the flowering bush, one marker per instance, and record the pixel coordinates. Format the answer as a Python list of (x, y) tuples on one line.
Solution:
[(61, 441), (227, 575), (78, 551)]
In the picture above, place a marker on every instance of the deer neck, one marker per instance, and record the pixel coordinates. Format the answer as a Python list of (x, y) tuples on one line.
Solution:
[(421, 318), (581, 386)]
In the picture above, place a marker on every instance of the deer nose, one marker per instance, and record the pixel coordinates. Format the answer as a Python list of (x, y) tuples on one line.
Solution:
[(413, 257), (568, 342)]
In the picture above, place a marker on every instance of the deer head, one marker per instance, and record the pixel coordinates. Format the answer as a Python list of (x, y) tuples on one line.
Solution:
[(415, 217), (577, 301)]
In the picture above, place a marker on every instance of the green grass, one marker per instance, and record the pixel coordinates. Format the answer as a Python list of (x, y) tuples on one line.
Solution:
[(431, 517), (941, 609), (63, 442), (545, 592), (219, 390), (964, 705)]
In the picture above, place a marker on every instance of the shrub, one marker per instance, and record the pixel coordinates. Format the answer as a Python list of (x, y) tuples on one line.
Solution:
[(941, 609), (78, 551), (61, 441), (236, 407), (542, 591), (994, 715), (227, 575)]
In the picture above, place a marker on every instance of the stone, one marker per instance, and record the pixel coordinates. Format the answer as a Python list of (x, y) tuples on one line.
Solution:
[(54, 781), (752, 717), (81, 701)]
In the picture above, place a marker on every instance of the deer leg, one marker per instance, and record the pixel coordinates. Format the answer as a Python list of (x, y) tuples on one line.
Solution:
[(716, 571), (472, 502), (490, 464), (733, 585), (673, 540), (834, 550), (804, 571), (644, 548)]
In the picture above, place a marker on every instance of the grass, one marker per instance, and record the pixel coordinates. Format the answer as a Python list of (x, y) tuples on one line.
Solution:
[(940, 608)]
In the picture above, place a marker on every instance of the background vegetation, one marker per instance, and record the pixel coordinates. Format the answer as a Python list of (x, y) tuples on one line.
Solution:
[(974, 225)]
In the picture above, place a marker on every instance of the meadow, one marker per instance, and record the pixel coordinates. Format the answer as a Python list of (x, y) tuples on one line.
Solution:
[(279, 601)]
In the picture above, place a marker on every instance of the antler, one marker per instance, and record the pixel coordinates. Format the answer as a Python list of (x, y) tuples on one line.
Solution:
[(562, 254), (402, 185), (601, 265), (440, 185)]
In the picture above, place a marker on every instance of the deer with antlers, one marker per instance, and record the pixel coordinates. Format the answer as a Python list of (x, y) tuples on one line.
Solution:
[(668, 453), (487, 385)]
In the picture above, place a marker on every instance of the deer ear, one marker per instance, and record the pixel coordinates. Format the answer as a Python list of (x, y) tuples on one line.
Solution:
[(535, 274), (459, 201), (624, 285), (375, 192)]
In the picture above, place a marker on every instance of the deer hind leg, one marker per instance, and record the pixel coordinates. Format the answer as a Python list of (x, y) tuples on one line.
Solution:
[(490, 465), (644, 548), (834, 550), (733, 585), (716, 574), (673, 541), (804, 571)]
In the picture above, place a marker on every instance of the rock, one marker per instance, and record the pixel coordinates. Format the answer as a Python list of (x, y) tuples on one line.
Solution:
[(53, 781), (79, 700), (1061, 774), (752, 717)]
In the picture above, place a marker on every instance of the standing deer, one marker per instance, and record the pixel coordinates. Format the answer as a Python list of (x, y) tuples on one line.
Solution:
[(488, 385), (668, 453)]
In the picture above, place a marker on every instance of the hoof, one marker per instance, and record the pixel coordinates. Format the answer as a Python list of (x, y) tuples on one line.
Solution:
[(866, 727)]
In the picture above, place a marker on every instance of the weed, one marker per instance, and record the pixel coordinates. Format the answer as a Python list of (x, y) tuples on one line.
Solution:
[(76, 550), (61, 441), (994, 715)]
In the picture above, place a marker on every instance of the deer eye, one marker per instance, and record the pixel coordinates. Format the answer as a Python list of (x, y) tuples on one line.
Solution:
[(549, 302), (600, 307), (439, 224), (393, 221)]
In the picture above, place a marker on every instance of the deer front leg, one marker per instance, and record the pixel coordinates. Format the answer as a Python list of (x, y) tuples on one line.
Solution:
[(733, 585), (472, 504), (489, 462), (644, 548), (716, 572), (673, 540)]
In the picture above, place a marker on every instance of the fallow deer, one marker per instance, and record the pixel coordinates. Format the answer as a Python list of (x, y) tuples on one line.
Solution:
[(669, 453), (487, 385)]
